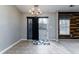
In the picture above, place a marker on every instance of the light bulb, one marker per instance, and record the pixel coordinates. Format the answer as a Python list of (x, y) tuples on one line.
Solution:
[(30, 11)]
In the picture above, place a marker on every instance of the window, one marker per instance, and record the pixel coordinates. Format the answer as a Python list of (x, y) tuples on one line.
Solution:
[(43, 23), (64, 24), (43, 20)]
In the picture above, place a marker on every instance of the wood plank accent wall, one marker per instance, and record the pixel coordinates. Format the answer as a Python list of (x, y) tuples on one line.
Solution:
[(74, 27)]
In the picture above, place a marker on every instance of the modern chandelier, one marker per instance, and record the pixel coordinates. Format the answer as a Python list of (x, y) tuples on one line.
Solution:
[(35, 10)]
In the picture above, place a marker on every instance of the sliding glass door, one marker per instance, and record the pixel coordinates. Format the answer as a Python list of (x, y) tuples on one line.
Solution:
[(43, 30)]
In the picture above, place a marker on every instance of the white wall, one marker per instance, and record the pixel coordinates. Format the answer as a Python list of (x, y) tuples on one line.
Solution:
[(52, 26), (10, 25)]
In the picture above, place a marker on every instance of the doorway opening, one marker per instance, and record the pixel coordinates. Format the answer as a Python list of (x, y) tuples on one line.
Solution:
[(37, 28)]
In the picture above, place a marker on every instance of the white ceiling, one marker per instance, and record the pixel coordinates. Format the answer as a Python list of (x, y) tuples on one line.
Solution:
[(50, 8)]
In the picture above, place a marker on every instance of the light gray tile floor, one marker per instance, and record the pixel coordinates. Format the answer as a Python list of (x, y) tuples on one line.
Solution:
[(65, 46)]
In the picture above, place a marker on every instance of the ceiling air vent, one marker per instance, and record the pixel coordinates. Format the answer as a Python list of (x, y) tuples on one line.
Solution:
[(71, 5)]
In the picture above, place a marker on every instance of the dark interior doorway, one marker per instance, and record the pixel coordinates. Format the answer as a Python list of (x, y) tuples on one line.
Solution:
[(32, 28)]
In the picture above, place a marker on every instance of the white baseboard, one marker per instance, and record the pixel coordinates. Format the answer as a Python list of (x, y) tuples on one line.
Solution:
[(23, 39), (9, 47), (26, 39)]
